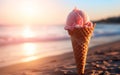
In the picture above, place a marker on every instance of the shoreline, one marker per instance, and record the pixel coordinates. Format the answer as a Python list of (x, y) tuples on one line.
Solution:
[(94, 42), (105, 55)]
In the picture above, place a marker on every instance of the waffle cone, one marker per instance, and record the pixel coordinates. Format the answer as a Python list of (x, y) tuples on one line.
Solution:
[(80, 38)]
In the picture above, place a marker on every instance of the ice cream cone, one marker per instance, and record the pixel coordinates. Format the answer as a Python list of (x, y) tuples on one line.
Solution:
[(80, 38)]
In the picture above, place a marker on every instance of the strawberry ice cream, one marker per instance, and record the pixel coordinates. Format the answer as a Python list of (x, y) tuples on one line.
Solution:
[(76, 19), (80, 29)]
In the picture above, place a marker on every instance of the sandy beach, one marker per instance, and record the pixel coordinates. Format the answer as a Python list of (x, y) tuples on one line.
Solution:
[(36, 38), (101, 60)]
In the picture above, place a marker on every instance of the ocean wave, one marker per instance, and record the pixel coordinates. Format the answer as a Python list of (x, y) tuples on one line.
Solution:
[(52, 33)]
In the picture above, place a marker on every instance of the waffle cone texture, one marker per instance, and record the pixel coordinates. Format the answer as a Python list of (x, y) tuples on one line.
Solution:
[(80, 38)]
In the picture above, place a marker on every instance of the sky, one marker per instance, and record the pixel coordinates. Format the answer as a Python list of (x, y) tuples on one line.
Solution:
[(49, 12)]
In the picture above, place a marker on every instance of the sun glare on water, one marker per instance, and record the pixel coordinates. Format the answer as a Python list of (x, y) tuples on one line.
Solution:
[(27, 32), (29, 50)]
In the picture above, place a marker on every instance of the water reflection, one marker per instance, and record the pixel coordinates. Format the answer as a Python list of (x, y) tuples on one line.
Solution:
[(30, 59), (29, 49)]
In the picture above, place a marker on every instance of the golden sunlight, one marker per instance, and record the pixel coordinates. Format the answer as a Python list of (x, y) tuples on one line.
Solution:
[(27, 32), (28, 9), (29, 49), (38, 12), (30, 59)]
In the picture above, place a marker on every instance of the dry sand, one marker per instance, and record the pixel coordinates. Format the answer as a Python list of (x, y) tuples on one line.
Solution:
[(102, 60)]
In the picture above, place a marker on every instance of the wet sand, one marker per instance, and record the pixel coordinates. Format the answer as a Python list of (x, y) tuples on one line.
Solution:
[(101, 60)]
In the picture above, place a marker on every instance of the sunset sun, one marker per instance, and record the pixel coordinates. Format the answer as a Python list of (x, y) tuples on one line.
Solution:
[(27, 32), (28, 9)]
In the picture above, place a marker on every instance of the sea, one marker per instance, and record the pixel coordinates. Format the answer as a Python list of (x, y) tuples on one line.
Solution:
[(26, 43)]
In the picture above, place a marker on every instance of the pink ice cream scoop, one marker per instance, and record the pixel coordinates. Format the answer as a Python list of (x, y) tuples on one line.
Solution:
[(77, 19)]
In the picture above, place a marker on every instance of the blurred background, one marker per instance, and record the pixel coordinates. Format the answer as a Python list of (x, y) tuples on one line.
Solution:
[(32, 29)]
